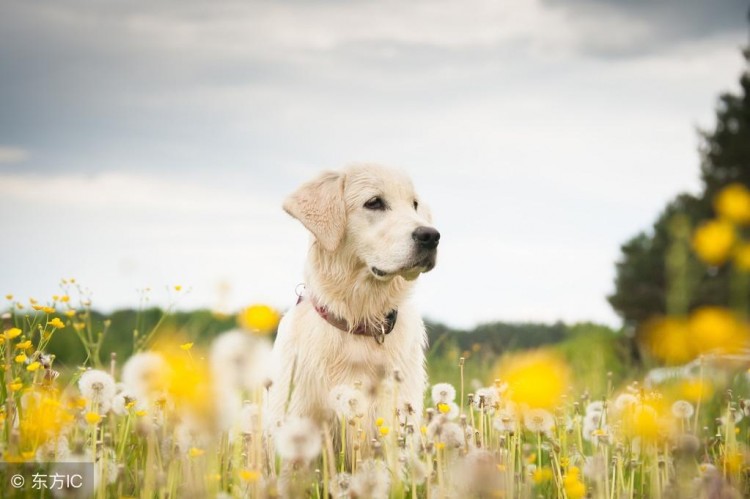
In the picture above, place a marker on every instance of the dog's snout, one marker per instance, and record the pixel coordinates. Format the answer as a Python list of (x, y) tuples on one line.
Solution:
[(426, 237)]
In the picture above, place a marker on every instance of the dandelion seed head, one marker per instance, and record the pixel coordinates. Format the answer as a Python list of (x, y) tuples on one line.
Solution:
[(372, 480), (443, 393), (441, 430), (99, 389), (595, 406), (240, 361), (146, 374), (298, 440), (539, 420), (347, 402), (625, 401), (682, 409), (486, 399)]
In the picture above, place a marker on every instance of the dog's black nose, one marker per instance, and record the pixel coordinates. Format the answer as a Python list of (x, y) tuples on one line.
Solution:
[(426, 237)]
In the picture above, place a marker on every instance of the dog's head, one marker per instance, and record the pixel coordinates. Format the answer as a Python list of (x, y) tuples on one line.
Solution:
[(370, 213)]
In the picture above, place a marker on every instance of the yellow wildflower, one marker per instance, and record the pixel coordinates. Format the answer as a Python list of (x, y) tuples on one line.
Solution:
[(48, 310), (384, 430), (742, 257), (186, 346), (196, 452), (11, 333), (70, 313), (574, 487), (259, 318), (542, 475), (668, 339), (24, 345), (15, 385), (379, 422), (537, 378), (251, 476), (733, 203), (8, 297), (20, 358), (440, 445), (140, 413), (33, 366), (642, 420), (36, 306), (178, 288), (443, 408), (65, 298), (56, 323), (716, 329), (713, 241), (92, 418)]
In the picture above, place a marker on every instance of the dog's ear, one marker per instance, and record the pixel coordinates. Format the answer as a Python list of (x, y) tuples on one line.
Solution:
[(319, 205)]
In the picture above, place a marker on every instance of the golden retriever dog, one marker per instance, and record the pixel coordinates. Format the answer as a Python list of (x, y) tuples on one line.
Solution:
[(354, 327)]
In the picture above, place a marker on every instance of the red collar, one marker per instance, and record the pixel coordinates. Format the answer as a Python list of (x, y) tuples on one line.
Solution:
[(377, 331)]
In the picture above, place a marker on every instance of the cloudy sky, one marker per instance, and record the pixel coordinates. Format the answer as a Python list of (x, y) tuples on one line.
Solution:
[(147, 144)]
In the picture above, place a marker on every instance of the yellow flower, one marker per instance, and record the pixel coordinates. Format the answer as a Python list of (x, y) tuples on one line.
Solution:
[(79, 326), (21, 358), (48, 310), (379, 422), (43, 416), (178, 288), (713, 241), (537, 378), (384, 430), (742, 257), (140, 413), (11, 333), (56, 323), (668, 339), (440, 445), (574, 487), (642, 420), (92, 418), (251, 476), (8, 297), (443, 408), (15, 385), (542, 475), (65, 298), (36, 306), (716, 329), (733, 203), (259, 318), (24, 345), (70, 313), (196, 452), (33, 366), (186, 346)]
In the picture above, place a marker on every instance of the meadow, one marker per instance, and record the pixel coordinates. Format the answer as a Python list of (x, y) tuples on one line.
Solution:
[(165, 404)]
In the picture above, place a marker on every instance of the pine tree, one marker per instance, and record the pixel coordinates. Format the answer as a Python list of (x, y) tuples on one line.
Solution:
[(642, 276)]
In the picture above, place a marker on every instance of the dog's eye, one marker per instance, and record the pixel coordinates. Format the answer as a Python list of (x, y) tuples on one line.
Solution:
[(416, 205), (375, 203)]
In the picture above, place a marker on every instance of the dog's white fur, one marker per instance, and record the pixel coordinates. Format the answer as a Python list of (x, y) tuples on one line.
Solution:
[(349, 241)]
